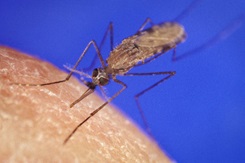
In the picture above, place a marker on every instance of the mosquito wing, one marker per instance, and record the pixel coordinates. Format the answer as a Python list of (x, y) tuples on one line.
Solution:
[(144, 45), (166, 34)]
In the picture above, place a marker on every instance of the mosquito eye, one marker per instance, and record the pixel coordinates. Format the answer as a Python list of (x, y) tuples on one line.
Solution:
[(95, 72), (103, 81)]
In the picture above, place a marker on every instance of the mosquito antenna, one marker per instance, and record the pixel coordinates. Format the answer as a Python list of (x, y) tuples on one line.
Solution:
[(78, 72), (225, 33), (187, 10)]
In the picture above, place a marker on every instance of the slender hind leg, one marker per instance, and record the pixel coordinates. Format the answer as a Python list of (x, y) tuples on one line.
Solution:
[(187, 10), (169, 73), (223, 34)]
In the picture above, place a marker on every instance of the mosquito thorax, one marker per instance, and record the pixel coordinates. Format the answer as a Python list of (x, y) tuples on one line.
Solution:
[(100, 77)]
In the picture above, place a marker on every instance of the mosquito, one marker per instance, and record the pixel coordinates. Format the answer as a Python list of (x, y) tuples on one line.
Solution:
[(141, 48)]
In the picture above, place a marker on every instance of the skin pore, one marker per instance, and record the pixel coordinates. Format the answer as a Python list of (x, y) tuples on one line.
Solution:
[(34, 121)]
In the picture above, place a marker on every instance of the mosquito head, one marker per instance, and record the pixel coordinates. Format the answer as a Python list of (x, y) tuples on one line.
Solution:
[(100, 77)]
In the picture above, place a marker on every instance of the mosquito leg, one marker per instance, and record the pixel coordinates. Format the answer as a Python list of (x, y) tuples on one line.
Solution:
[(148, 20), (109, 31), (85, 94), (98, 109), (169, 73), (74, 67), (187, 10), (223, 34), (178, 18), (103, 91), (174, 55)]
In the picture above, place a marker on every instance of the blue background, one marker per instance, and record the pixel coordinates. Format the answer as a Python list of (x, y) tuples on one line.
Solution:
[(196, 116)]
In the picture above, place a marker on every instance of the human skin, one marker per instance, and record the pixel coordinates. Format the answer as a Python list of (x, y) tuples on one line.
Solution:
[(35, 121)]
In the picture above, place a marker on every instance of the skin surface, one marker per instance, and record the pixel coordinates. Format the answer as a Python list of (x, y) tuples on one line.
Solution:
[(34, 121)]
